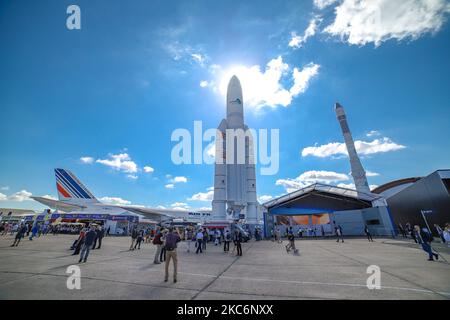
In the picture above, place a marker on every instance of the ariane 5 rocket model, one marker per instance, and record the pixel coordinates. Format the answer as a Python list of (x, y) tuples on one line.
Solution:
[(234, 178)]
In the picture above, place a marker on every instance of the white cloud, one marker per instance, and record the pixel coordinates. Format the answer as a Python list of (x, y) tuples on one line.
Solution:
[(132, 176), (115, 201), (5, 188), (361, 22), (297, 41), (148, 169), (87, 160), (352, 186), (176, 50), (322, 4), (197, 57), (120, 162), (179, 179), (214, 68), (377, 146), (179, 204), (371, 174), (47, 196), (265, 88), (310, 177), (373, 133), (185, 52), (169, 186), (3, 197), (180, 208), (362, 147), (347, 185), (301, 78), (322, 176), (264, 198), (204, 84), (211, 149), (160, 207), (314, 176), (204, 209), (203, 196), (20, 196)]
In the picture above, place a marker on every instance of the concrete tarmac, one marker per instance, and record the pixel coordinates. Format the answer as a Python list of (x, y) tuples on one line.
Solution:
[(324, 269)]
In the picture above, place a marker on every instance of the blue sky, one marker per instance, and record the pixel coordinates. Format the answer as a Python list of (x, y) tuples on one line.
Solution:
[(115, 90)]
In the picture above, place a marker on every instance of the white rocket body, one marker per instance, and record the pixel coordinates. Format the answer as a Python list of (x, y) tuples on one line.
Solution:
[(357, 170), (234, 179)]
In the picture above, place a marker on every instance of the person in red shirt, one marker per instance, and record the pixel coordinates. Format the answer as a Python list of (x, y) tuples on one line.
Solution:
[(157, 241), (80, 242)]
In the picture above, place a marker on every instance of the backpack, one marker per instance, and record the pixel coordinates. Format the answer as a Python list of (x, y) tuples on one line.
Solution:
[(171, 242)]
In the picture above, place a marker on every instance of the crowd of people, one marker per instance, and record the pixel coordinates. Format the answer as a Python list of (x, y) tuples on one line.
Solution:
[(166, 240), (39, 229), (90, 238)]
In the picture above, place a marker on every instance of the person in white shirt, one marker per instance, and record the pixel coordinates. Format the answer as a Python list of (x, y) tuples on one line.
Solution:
[(447, 234), (199, 238)]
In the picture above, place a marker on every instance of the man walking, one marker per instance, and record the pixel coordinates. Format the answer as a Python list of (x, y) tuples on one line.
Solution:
[(424, 238), (97, 237), (226, 241), (134, 235), (278, 234), (291, 245), (446, 234), (100, 235), (172, 238), (402, 230), (411, 232), (369, 236), (139, 240), (440, 232), (339, 235), (189, 238), (34, 230), (79, 241), (205, 239), (158, 243), (199, 238), (237, 242), (21, 230), (89, 238)]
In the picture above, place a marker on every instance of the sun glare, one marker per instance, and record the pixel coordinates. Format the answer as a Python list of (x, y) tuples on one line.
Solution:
[(241, 72), (260, 87)]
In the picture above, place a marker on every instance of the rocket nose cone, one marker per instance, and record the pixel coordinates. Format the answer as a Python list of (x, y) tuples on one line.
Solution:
[(234, 89), (337, 106), (234, 82)]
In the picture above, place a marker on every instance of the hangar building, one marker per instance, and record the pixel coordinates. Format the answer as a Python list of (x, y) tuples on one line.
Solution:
[(320, 207)]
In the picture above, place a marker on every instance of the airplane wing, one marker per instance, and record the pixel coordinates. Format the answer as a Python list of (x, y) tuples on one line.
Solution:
[(58, 205), (149, 213)]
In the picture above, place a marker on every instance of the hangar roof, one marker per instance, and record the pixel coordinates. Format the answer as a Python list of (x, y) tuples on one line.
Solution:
[(395, 183), (322, 196)]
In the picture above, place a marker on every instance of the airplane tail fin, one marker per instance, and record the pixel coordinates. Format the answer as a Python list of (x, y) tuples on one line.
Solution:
[(69, 187)]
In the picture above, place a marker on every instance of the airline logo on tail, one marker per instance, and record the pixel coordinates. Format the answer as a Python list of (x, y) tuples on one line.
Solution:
[(69, 186)]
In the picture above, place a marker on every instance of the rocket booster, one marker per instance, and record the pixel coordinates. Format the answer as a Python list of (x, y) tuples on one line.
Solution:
[(357, 170)]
